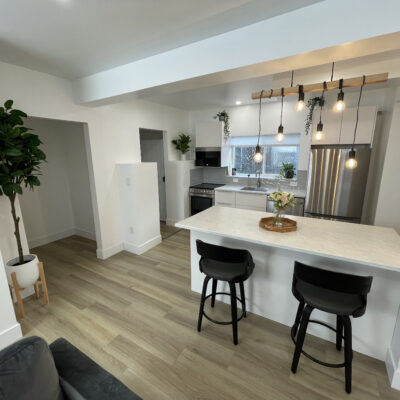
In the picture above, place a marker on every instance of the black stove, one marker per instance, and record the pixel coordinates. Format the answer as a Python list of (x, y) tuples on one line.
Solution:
[(202, 196), (207, 186)]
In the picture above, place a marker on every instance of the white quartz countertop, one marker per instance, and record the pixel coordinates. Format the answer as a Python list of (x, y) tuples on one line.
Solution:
[(238, 188), (364, 244)]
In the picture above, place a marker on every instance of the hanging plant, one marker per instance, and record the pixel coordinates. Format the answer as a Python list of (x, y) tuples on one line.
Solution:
[(224, 117), (311, 104)]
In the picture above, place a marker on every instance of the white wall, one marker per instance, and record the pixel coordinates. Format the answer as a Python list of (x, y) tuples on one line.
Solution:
[(387, 213), (113, 134), (10, 329), (61, 205)]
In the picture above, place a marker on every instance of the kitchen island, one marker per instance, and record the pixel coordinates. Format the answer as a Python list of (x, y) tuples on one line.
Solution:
[(339, 246)]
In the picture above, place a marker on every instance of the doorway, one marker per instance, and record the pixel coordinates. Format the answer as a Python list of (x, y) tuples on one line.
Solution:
[(61, 206), (152, 149)]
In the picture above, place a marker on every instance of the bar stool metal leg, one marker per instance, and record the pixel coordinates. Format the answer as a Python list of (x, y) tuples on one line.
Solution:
[(295, 327), (214, 290), (348, 352), (234, 312), (203, 298), (300, 338), (339, 332), (243, 298)]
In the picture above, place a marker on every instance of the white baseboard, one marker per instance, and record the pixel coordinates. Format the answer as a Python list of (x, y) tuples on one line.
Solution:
[(393, 370), (142, 248), (10, 335), (85, 234), (60, 235), (109, 251), (171, 222), (40, 241)]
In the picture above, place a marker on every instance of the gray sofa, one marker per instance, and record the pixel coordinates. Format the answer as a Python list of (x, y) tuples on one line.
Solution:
[(30, 369)]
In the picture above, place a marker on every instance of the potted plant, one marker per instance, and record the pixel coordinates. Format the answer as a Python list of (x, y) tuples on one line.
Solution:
[(224, 117), (182, 144), (287, 170), (281, 201), (20, 159)]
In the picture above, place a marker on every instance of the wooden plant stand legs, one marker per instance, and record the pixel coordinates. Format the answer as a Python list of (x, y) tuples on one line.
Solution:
[(18, 290)]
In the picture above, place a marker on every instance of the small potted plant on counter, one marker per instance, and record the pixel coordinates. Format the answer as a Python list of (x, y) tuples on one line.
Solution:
[(281, 201), (182, 144), (287, 170), (20, 159)]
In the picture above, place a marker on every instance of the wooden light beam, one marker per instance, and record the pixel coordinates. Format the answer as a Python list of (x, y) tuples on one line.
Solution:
[(318, 87)]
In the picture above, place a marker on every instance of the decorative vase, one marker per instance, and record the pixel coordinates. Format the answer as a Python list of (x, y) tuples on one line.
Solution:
[(183, 156), (278, 217), (27, 273)]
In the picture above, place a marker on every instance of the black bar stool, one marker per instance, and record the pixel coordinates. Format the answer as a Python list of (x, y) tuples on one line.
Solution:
[(224, 264), (336, 293)]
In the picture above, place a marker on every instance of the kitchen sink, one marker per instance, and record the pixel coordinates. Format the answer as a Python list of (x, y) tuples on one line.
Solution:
[(255, 189)]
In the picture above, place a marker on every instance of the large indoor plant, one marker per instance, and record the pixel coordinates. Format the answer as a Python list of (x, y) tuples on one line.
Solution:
[(20, 159), (182, 144)]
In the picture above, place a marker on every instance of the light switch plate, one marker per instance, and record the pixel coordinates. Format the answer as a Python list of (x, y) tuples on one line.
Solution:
[(293, 183), (236, 180)]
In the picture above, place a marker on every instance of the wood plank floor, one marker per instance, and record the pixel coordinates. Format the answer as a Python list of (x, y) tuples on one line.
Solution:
[(136, 316)]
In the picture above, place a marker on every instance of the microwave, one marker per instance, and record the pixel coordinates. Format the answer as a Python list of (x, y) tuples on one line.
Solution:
[(208, 156)]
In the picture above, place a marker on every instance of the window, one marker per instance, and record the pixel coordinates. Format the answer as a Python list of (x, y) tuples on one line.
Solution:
[(273, 154)]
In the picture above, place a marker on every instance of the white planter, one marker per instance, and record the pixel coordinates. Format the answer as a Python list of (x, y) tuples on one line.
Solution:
[(183, 157), (27, 274)]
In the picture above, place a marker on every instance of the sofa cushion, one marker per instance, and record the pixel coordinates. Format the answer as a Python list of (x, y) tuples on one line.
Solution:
[(85, 376), (27, 371)]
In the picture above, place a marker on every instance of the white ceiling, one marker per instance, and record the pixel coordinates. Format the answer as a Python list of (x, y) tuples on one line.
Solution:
[(75, 38), (226, 94)]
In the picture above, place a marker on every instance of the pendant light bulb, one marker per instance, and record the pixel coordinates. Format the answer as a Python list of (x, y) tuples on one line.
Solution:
[(340, 104), (258, 157), (300, 102), (320, 131), (280, 136), (351, 162)]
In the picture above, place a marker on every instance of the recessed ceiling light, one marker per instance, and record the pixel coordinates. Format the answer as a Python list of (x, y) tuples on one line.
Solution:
[(238, 102)]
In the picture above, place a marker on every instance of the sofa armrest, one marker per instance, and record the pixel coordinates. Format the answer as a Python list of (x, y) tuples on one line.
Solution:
[(83, 374)]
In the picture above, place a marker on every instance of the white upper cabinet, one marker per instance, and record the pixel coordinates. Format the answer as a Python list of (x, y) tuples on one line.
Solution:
[(209, 134), (341, 131)]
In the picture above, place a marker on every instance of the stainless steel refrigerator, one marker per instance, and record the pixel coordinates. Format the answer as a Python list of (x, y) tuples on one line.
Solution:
[(334, 191)]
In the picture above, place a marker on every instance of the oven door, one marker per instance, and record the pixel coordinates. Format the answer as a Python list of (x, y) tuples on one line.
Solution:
[(199, 203)]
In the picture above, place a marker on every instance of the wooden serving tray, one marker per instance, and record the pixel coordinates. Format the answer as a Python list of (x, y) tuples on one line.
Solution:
[(288, 225)]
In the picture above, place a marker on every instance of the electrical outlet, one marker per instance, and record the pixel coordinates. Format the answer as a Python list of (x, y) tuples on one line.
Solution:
[(128, 182), (235, 180), (131, 230), (293, 183)]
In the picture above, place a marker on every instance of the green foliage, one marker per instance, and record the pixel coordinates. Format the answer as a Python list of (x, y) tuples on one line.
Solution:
[(182, 143), (20, 159), (311, 104), (224, 116), (287, 170), (20, 155)]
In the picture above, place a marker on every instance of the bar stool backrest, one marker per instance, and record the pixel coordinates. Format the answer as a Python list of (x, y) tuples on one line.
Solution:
[(336, 281), (223, 254)]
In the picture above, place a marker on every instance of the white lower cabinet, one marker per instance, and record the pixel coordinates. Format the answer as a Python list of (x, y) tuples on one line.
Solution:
[(225, 199), (250, 201)]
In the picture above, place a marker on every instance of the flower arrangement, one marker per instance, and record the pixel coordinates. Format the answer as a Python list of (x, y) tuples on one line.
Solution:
[(281, 200)]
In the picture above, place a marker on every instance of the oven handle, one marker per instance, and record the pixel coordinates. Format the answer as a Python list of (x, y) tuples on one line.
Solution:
[(208, 196)]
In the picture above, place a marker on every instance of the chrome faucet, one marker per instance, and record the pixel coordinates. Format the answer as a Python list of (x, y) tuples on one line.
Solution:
[(258, 179)]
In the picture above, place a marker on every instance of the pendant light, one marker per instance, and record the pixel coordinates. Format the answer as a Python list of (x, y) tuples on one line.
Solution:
[(351, 162), (300, 102), (320, 126), (340, 104), (258, 157), (280, 136)]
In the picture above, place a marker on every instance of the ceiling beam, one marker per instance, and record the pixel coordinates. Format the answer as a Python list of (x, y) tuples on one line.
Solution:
[(318, 87)]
